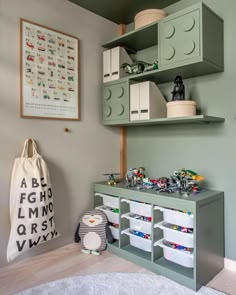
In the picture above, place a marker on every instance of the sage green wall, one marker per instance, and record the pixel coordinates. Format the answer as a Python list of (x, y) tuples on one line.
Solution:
[(208, 149), (75, 159)]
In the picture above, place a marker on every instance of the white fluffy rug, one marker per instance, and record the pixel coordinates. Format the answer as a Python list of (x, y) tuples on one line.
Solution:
[(116, 284)]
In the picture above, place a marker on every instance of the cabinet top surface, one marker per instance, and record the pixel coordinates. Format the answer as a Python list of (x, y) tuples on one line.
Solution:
[(121, 185), (122, 11)]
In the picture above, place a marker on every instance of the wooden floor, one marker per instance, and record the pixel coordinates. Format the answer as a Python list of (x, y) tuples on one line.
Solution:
[(68, 261)]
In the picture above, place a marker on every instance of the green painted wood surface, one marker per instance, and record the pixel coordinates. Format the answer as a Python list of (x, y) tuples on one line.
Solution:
[(193, 54), (212, 23), (208, 213), (136, 40), (122, 11), (167, 121), (179, 38), (210, 250), (116, 102)]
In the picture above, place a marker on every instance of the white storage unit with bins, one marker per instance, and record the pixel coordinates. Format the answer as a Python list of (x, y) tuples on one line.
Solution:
[(166, 233)]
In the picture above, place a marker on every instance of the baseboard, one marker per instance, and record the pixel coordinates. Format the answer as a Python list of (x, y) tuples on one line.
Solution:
[(230, 264)]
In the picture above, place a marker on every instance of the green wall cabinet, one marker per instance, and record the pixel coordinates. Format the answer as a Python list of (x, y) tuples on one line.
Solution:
[(116, 102), (188, 42), (189, 37), (180, 38), (204, 213)]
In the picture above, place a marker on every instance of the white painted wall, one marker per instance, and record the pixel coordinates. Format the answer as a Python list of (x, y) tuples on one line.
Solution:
[(75, 159)]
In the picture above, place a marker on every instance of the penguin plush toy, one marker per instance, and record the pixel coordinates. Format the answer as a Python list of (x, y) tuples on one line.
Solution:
[(94, 232)]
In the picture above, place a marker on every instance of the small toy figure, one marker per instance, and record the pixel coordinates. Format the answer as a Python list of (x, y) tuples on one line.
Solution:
[(135, 176), (111, 180), (93, 231), (178, 92), (186, 181), (139, 67)]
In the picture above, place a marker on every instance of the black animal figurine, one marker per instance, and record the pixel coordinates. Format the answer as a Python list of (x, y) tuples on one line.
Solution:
[(178, 92)]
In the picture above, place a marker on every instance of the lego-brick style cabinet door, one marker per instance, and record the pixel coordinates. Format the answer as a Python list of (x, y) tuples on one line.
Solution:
[(179, 38), (116, 102)]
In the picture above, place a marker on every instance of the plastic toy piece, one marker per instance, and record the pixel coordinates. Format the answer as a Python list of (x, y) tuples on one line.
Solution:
[(135, 176), (139, 67), (111, 180)]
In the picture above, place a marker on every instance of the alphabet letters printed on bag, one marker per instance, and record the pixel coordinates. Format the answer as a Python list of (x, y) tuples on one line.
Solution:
[(31, 203), (44, 197)]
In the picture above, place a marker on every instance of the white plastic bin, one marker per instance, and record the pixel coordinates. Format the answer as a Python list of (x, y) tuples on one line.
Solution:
[(138, 242), (175, 255), (177, 237), (175, 217), (139, 208), (109, 201), (115, 232), (111, 216), (139, 225)]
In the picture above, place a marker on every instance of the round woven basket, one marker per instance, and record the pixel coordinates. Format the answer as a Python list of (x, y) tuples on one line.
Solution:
[(148, 16), (181, 108)]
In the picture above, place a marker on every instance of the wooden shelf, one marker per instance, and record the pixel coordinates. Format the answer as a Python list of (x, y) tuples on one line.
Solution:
[(166, 121), (136, 40)]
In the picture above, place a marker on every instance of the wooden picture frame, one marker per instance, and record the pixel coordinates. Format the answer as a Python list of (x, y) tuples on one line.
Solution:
[(49, 73)]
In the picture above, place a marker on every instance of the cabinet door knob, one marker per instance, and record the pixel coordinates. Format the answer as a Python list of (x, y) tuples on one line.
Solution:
[(169, 31), (107, 94), (169, 53), (189, 47), (188, 23), (107, 111)]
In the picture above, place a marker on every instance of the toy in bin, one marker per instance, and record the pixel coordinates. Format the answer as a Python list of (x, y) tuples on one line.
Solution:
[(177, 246), (93, 232), (140, 234)]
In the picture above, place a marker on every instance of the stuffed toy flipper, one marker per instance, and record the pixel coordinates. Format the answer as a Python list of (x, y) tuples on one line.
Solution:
[(93, 231)]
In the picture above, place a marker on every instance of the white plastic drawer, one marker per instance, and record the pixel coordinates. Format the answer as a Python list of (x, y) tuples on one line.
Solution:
[(139, 225), (175, 217), (111, 216), (177, 237), (115, 232), (177, 256), (109, 201), (139, 208), (138, 242)]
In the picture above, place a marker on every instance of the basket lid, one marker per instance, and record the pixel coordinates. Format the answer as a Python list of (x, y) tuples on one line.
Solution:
[(151, 11), (182, 102)]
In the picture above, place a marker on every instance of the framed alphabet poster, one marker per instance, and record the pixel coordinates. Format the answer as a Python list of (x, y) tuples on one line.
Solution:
[(49, 73)]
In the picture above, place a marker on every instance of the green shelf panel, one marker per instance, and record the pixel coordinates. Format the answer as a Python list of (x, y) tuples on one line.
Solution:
[(136, 40), (138, 252), (115, 244), (122, 11), (165, 121), (185, 271)]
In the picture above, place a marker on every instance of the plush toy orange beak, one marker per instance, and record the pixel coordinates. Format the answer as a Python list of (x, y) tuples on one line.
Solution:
[(92, 221)]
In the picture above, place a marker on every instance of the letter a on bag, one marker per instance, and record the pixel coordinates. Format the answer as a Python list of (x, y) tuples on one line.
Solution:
[(31, 203)]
